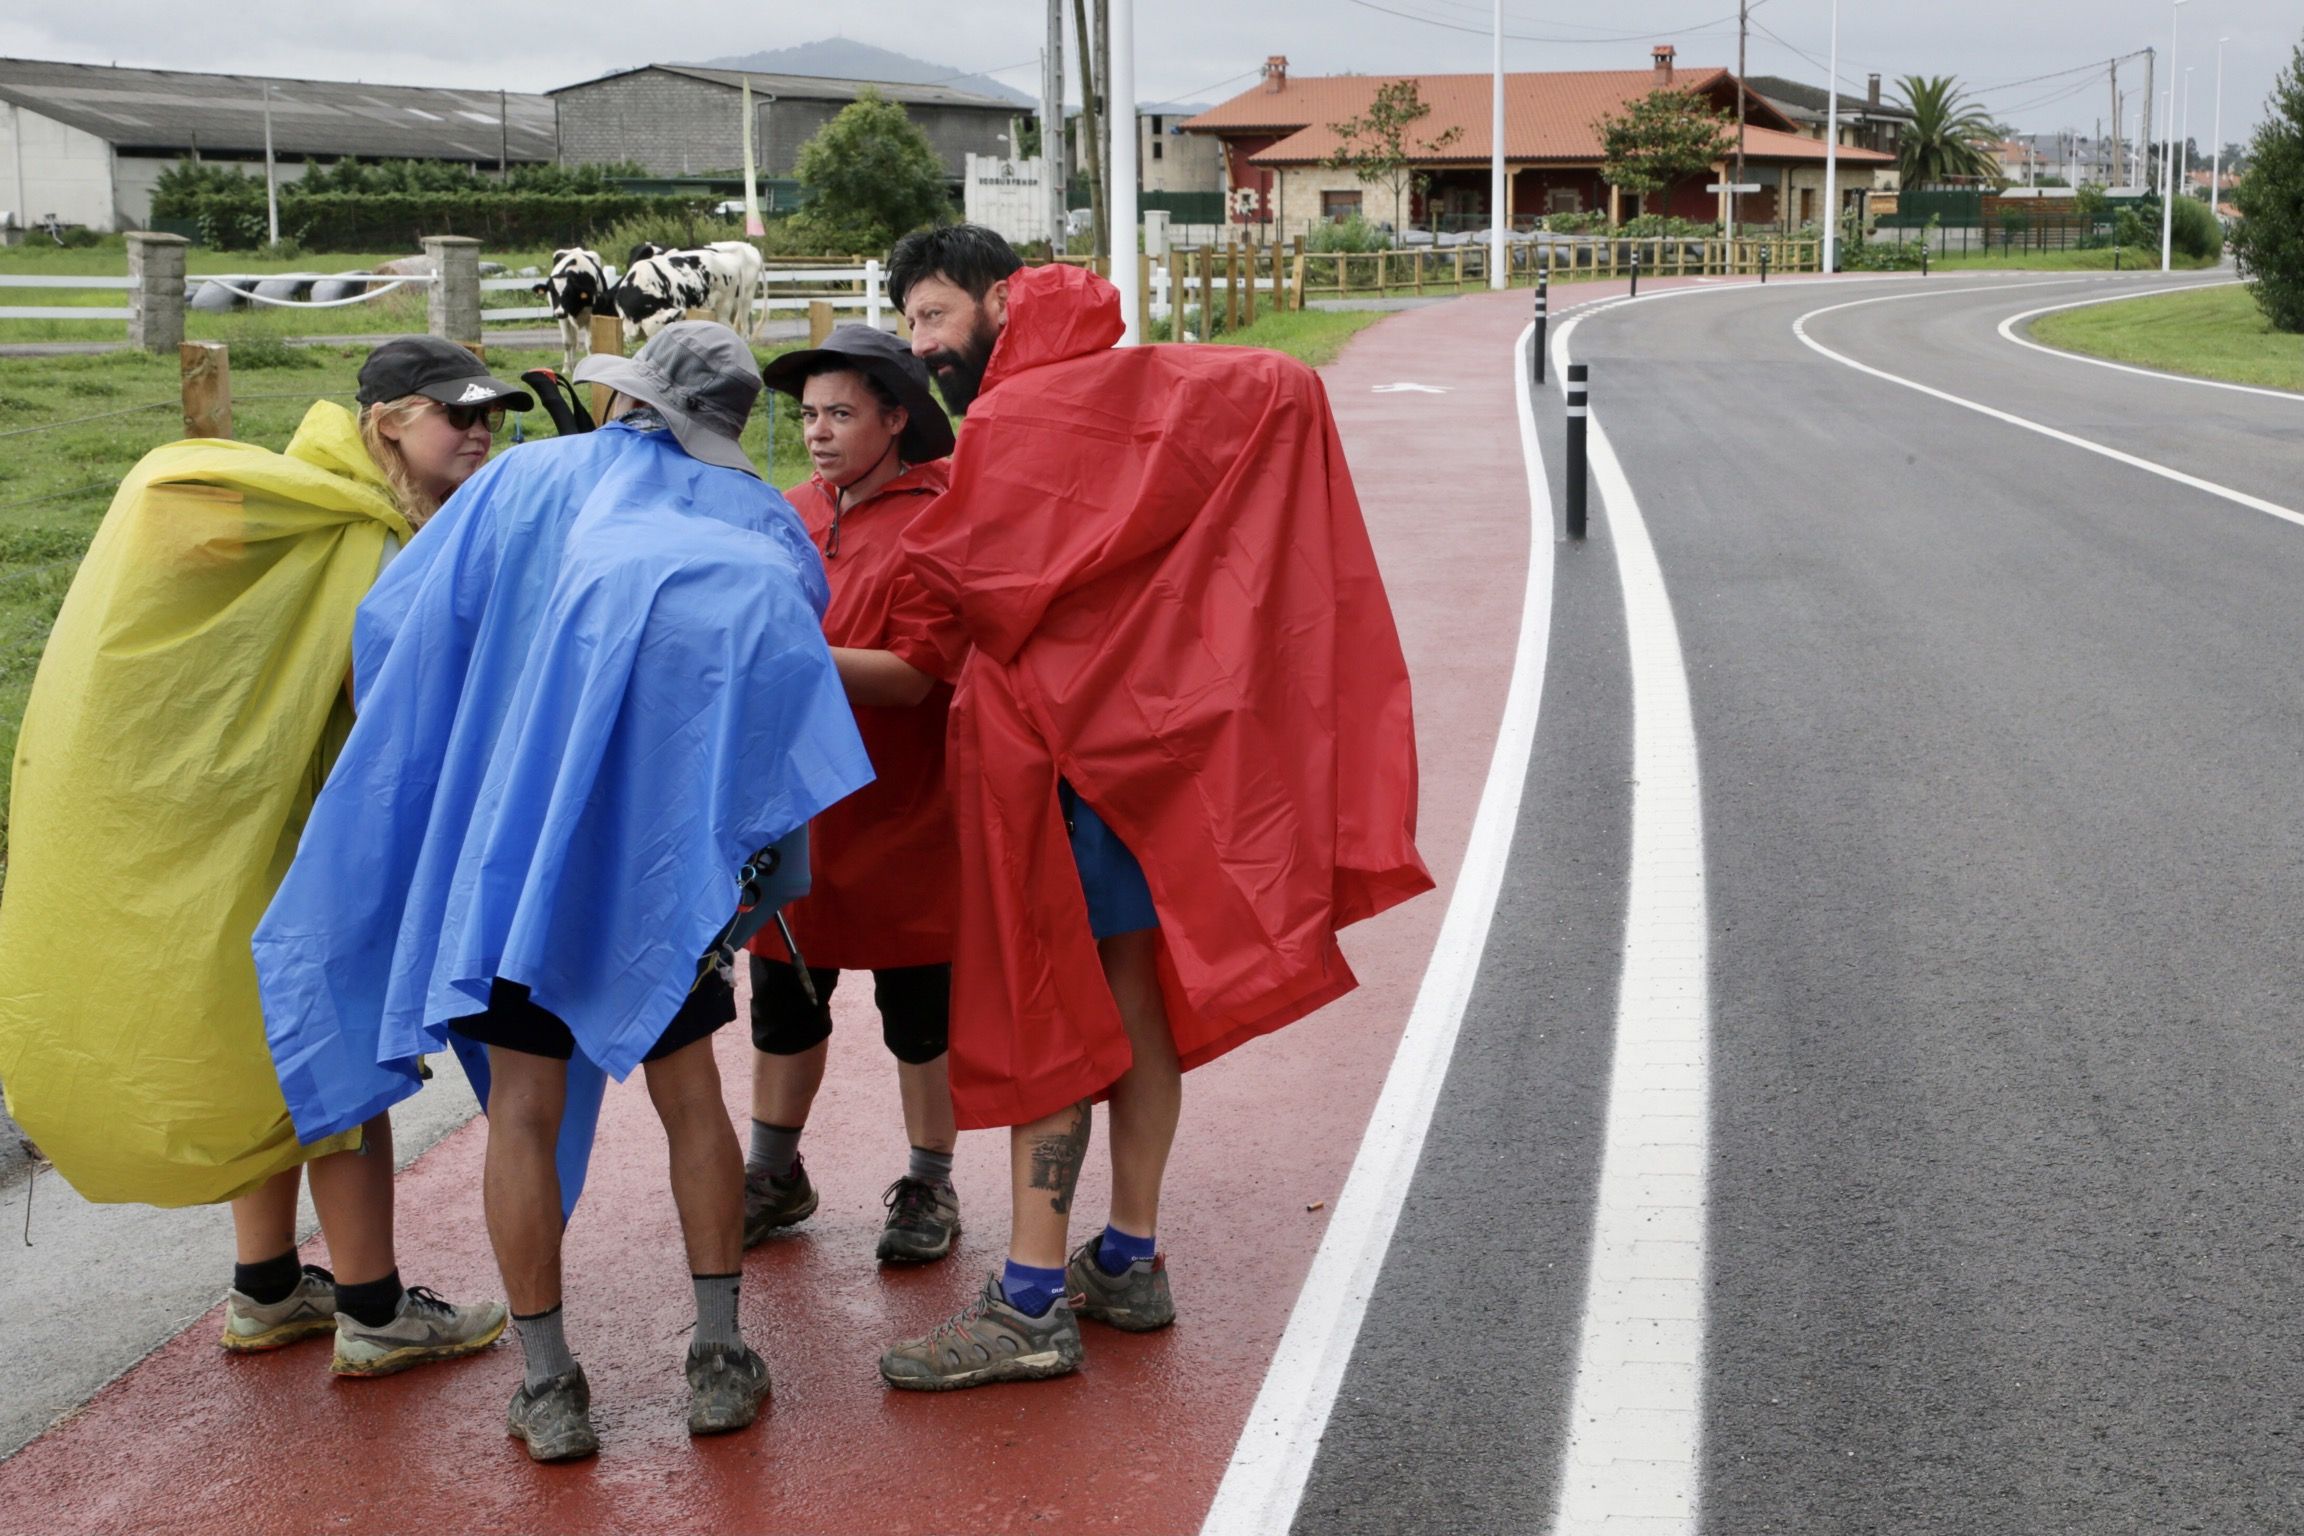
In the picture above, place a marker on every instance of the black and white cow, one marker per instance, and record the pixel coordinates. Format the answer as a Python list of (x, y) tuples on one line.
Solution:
[(576, 285), (658, 289)]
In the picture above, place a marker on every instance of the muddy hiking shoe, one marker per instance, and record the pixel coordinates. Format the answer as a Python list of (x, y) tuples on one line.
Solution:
[(923, 1221), (771, 1202), (253, 1326), (725, 1388), (986, 1341), (426, 1328), (555, 1419), (1136, 1299)]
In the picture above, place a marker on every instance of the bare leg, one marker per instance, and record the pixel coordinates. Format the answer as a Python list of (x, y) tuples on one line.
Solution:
[(522, 1185), (264, 1219), (1044, 1161), (707, 1167), (352, 1191), (784, 1087), (927, 1089), (1149, 1096)]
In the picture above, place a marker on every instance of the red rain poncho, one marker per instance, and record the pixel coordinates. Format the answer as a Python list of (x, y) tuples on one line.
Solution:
[(883, 863), (1161, 561)]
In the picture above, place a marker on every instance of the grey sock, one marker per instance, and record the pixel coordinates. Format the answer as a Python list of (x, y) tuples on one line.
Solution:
[(930, 1167), (773, 1149), (716, 1312), (544, 1347)]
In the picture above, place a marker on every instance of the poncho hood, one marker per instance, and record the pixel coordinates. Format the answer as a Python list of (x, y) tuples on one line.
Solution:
[(1054, 313)]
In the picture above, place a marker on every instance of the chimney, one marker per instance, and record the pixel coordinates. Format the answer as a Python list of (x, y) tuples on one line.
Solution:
[(1664, 54), (1275, 74), (1872, 92)]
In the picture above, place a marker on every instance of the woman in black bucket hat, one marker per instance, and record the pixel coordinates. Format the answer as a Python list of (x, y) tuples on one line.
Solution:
[(883, 861)]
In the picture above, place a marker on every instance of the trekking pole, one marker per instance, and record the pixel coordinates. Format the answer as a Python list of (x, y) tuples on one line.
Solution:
[(1543, 320), (1577, 374)]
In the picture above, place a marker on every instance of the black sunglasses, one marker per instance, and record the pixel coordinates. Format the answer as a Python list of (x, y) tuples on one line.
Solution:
[(461, 417)]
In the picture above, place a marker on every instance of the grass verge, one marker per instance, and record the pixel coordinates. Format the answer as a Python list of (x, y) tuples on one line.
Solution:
[(2210, 333), (2132, 259)]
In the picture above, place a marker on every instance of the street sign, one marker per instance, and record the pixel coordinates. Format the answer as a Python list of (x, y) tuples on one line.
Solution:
[(1734, 186)]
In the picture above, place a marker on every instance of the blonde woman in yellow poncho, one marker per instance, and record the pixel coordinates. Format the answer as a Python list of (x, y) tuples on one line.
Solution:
[(192, 697)]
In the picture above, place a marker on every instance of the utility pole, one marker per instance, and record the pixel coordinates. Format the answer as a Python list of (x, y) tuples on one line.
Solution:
[(1052, 156), (503, 139), (1088, 136), (2144, 124), (1102, 10), (1743, 36), (2118, 173), (271, 177), (2216, 164)]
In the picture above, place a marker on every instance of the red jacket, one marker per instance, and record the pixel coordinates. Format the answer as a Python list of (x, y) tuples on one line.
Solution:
[(883, 864), (1159, 556)]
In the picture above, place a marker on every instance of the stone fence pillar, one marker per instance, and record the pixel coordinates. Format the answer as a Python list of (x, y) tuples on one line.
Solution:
[(452, 304), (156, 263)]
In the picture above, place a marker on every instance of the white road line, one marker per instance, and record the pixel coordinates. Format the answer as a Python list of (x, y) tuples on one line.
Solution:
[(1265, 1480), (1633, 1458), (2150, 467), (2008, 333)]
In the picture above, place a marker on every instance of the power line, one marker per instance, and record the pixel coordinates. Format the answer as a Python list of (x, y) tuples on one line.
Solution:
[(1522, 37)]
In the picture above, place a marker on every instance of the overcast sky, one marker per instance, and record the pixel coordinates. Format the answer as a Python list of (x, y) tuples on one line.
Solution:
[(1210, 49)]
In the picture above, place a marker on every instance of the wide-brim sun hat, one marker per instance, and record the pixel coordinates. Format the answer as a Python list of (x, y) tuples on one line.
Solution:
[(700, 376), (872, 351)]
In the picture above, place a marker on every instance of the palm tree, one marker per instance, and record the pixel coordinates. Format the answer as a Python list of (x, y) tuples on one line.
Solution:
[(1947, 136)]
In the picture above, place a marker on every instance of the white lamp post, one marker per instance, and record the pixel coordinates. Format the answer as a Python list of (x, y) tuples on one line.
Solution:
[(1832, 148), (1120, 98), (2216, 138), (2168, 168), (1499, 211)]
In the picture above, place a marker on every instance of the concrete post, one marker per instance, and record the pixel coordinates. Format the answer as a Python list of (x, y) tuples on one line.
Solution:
[(156, 263), (452, 304)]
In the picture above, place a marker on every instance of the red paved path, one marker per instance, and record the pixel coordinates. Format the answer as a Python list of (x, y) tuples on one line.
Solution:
[(192, 1441)]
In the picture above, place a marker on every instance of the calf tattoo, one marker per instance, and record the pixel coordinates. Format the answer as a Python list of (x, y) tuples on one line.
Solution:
[(1056, 1160)]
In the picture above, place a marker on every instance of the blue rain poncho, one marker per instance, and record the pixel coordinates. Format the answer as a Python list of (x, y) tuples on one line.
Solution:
[(586, 695)]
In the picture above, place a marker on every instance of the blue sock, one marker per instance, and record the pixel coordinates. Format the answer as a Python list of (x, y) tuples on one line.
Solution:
[(1031, 1291), (1121, 1249)]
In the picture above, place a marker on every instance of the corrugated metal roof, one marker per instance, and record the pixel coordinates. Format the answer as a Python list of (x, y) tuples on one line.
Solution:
[(1800, 102), (174, 110), (816, 87), (1547, 117)]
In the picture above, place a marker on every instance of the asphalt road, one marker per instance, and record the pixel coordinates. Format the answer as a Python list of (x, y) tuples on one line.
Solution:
[(1999, 744)]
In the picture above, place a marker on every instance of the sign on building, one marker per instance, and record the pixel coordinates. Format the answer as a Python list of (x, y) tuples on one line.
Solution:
[(1006, 195)]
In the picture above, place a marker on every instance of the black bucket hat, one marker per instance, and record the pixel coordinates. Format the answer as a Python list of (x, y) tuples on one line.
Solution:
[(873, 352), (437, 368)]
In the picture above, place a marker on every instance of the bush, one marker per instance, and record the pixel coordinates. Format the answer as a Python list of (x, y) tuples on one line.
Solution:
[(1650, 225), (1575, 223), (2197, 232), (1354, 235), (1882, 255)]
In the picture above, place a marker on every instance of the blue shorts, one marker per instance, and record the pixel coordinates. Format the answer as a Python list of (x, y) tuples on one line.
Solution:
[(1118, 899)]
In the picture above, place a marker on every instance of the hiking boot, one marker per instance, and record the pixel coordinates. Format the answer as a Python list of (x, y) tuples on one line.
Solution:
[(425, 1328), (923, 1221), (1136, 1299), (725, 1388), (251, 1326), (771, 1202), (555, 1420), (986, 1341)]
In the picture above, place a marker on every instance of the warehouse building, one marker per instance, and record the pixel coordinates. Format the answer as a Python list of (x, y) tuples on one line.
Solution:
[(87, 142), (688, 120)]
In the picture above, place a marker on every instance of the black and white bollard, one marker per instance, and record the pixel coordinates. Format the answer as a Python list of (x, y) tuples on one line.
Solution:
[(1763, 264), (1577, 373), (1923, 258), (1543, 317), (1635, 272)]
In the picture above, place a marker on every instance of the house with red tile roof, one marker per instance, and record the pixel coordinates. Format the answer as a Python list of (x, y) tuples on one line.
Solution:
[(1279, 135)]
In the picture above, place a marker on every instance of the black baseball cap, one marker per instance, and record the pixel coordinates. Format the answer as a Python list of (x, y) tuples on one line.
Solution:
[(438, 369)]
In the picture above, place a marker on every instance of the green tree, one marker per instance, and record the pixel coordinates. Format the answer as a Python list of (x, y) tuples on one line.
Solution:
[(1948, 137), (872, 174), (1662, 137), (1381, 148), (2269, 240)]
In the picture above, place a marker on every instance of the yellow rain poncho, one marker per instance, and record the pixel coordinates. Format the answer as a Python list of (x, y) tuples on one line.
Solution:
[(189, 703)]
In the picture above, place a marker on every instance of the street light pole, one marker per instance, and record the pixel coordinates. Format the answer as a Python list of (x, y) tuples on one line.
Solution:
[(2216, 137), (2168, 168), (1832, 148), (1120, 99), (1499, 199)]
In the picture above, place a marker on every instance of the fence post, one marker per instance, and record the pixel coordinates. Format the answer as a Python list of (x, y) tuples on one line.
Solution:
[(452, 302), (1207, 293), (1248, 299), (1577, 411), (156, 265), (607, 341), (207, 387), (1279, 279), (1144, 297), (819, 321), (872, 294), (1296, 282)]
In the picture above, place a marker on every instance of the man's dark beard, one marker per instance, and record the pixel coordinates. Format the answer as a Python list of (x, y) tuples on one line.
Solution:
[(966, 365)]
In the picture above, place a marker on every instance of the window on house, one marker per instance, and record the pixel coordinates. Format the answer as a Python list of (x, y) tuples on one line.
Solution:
[(1563, 200), (1807, 205), (1338, 206), (1156, 144)]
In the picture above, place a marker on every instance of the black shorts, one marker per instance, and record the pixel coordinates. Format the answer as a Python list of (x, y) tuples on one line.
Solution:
[(518, 1024), (915, 1003)]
